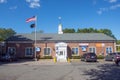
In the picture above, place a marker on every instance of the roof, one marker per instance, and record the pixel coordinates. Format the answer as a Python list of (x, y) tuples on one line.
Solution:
[(61, 37)]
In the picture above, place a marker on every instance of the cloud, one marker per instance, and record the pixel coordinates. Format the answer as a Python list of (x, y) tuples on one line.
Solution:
[(13, 8), (33, 3), (113, 7), (111, 1), (101, 10), (3, 1)]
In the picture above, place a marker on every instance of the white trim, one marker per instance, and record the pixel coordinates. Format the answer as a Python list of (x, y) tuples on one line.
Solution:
[(26, 53), (50, 51), (92, 47), (61, 44), (115, 46), (108, 47), (77, 53), (11, 48), (83, 44)]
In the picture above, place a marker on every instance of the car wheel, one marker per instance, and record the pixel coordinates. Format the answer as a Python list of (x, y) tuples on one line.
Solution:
[(85, 60)]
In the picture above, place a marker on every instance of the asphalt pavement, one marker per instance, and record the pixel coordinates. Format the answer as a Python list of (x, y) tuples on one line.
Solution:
[(48, 70)]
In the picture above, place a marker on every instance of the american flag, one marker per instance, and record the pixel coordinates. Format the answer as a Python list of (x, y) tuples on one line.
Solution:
[(31, 19)]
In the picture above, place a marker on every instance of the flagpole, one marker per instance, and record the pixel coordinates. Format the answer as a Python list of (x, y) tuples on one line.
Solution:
[(35, 37)]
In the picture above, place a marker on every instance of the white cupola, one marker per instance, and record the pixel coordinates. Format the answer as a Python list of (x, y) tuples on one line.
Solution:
[(60, 27)]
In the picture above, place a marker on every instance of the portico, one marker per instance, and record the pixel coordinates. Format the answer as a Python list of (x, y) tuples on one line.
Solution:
[(61, 51)]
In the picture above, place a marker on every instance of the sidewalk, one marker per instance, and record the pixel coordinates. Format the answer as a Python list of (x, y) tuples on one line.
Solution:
[(32, 62), (43, 62)]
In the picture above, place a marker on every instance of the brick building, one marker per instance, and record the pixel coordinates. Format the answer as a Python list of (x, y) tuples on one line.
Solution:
[(60, 45)]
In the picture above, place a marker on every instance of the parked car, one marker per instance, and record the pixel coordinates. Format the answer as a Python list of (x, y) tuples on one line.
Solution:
[(111, 56), (117, 60), (89, 57), (8, 57)]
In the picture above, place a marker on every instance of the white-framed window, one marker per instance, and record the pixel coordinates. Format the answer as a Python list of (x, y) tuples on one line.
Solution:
[(92, 49), (47, 51), (12, 50), (75, 51), (109, 49), (28, 51)]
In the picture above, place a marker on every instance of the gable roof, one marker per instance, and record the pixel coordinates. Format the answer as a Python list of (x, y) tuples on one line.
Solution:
[(61, 37)]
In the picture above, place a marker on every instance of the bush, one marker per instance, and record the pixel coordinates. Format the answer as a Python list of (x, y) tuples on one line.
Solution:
[(46, 57), (100, 57), (75, 57)]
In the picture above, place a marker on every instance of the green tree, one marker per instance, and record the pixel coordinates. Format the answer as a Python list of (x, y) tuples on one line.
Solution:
[(90, 30), (5, 33), (107, 32), (118, 42), (66, 30)]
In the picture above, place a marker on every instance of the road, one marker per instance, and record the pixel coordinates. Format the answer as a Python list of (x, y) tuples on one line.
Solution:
[(60, 71)]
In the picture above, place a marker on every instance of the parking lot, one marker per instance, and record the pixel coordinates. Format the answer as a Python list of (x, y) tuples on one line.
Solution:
[(48, 70)]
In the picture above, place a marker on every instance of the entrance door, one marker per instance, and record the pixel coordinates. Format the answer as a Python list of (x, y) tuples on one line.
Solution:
[(61, 52), (61, 55)]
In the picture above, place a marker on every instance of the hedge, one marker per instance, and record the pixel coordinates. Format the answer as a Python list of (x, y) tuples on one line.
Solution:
[(100, 57), (75, 57)]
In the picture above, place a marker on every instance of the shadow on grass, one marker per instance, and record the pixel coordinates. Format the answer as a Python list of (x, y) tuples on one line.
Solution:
[(104, 72)]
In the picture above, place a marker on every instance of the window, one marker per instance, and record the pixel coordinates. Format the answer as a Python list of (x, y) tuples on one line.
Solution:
[(47, 51), (92, 49), (109, 50), (74, 51), (11, 50), (29, 51)]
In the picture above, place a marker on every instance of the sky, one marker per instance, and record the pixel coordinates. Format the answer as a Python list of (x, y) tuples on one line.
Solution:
[(97, 14)]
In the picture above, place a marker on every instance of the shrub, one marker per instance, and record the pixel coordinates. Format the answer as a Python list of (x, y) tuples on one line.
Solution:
[(46, 57), (75, 57), (100, 57)]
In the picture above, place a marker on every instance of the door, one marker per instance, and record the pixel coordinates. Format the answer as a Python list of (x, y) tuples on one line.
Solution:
[(61, 54), (61, 51)]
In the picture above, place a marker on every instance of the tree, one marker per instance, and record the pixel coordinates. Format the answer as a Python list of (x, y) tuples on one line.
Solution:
[(118, 42), (69, 30), (107, 32), (5, 33), (90, 30)]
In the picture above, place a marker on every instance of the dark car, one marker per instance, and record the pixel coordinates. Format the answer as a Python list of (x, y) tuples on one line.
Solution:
[(117, 60), (8, 57), (111, 56), (89, 57)]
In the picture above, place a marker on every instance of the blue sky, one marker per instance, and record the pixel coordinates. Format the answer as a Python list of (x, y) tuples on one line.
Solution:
[(75, 14)]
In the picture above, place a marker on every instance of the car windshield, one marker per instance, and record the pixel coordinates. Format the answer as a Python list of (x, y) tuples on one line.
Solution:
[(118, 53)]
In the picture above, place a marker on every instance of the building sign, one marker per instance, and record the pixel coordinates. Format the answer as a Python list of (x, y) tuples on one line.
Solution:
[(100, 44), (84, 48), (37, 49), (83, 44)]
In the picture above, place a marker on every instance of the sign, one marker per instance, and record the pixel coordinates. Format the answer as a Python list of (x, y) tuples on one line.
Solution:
[(84, 48), (84, 44), (37, 49), (100, 44)]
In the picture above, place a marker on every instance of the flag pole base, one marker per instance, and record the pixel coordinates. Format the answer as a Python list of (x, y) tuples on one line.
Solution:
[(35, 59)]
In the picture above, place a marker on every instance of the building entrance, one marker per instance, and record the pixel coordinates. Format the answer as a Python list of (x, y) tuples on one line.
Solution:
[(61, 52)]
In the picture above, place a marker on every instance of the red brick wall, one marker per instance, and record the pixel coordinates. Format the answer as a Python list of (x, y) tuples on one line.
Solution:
[(20, 48)]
